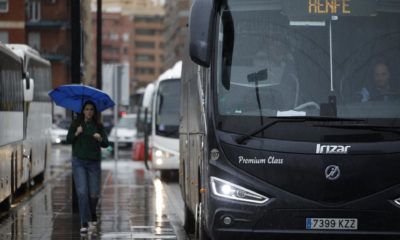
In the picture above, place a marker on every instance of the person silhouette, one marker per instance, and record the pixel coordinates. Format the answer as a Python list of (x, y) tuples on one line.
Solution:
[(87, 135), (380, 88)]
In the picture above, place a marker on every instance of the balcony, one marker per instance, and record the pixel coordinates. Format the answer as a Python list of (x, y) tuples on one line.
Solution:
[(52, 24), (56, 53)]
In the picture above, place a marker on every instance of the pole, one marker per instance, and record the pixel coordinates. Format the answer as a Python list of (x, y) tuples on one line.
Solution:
[(75, 67), (75, 41), (146, 139), (99, 80), (115, 93)]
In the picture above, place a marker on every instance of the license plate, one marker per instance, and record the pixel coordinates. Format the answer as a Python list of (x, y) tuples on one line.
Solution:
[(332, 223)]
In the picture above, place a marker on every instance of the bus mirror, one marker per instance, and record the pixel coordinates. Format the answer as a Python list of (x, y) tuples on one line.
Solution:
[(200, 30), (28, 89)]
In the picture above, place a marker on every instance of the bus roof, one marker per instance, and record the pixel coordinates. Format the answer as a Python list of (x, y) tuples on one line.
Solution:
[(174, 72), (27, 53), (4, 49)]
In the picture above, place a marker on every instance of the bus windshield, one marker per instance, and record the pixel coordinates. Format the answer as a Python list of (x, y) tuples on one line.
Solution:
[(323, 62), (167, 108)]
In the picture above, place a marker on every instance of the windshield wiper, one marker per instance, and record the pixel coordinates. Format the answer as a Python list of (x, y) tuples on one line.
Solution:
[(379, 128), (275, 120)]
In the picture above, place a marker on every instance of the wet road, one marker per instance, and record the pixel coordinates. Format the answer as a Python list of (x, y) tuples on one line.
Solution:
[(135, 204)]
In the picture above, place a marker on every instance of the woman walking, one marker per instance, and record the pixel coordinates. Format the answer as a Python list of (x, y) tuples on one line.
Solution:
[(87, 135)]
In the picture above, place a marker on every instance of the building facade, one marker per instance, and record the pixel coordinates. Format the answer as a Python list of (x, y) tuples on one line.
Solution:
[(117, 37), (176, 21), (147, 41), (48, 31), (12, 21), (148, 48)]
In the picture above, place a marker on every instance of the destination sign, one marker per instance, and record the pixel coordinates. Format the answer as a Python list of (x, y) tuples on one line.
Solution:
[(341, 7), (324, 9)]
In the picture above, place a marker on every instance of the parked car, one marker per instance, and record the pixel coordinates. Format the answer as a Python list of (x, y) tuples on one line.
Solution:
[(124, 132), (58, 134)]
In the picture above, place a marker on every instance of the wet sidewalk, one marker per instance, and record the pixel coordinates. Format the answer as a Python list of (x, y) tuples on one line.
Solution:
[(134, 205)]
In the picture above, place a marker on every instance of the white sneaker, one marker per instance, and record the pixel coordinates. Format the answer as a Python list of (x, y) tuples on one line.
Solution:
[(92, 226), (84, 228)]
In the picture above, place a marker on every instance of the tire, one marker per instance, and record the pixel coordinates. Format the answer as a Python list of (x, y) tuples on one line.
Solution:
[(200, 233), (164, 175), (6, 204)]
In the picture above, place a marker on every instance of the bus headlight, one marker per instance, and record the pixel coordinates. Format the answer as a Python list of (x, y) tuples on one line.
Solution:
[(158, 153), (161, 156), (229, 190), (397, 201)]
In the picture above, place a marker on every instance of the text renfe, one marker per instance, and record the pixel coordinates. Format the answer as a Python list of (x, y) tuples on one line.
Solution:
[(329, 6)]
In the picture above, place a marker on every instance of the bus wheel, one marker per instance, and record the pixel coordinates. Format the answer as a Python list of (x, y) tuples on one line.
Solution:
[(6, 204), (189, 221), (200, 232)]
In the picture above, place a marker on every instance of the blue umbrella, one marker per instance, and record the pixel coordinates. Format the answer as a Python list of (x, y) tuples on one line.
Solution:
[(74, 96)]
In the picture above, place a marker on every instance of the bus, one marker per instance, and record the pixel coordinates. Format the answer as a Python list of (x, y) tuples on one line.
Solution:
[(142, 148), (16, 91), (37, 114), (286, 126), (165, 122)]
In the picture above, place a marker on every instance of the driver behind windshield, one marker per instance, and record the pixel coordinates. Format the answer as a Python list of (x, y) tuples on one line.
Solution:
[(380, 89)]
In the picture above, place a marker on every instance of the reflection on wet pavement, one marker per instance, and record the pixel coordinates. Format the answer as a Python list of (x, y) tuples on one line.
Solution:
[(133, 206)]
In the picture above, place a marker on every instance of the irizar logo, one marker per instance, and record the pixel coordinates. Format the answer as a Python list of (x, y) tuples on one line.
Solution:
[(332, 149)]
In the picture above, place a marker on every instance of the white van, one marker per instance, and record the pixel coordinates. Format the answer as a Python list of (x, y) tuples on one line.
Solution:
[(124, 132)]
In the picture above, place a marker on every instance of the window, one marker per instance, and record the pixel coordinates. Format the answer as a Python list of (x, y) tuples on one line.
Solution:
[(166, 112), (144, 44), (33, 10), (111, 49), (144, 70), (125, 37), (3, 5), (41, 74), (148, 32), (34, 40), (155, 19), (4, 36), (114, 36), (144, 57), (11, 94)]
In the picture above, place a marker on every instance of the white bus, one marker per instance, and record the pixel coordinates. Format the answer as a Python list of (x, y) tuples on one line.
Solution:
[(15, 94), (165, 122), (38, 114)]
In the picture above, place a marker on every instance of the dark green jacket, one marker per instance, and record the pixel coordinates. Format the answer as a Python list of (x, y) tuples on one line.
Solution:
[(85, 146)]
